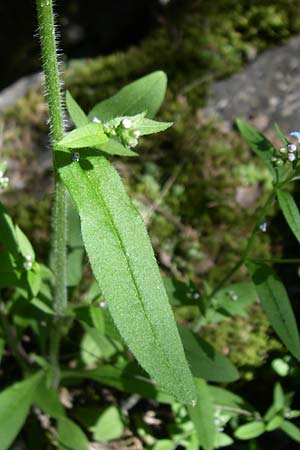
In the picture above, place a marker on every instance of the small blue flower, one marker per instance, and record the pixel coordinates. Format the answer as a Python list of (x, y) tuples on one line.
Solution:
[(296, 135)]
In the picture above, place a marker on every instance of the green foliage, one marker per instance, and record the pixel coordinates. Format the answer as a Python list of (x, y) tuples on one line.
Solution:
[(290, 211), (259, 144), (70, 435), (148, 91), (276, 304), (250, 430), (89, 135), (109, 425), (15, 402), (203, 417), (204, 361)]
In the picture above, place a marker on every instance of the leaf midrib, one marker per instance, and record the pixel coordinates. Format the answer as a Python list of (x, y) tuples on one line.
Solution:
[(277, 304), (100, 197)]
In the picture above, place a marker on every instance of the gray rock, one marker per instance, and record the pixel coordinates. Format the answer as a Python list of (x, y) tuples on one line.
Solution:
[(17, 90), (266, 91)]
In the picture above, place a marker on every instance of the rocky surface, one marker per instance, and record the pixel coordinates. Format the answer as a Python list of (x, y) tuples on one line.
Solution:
[(267, 91), (17, 90)]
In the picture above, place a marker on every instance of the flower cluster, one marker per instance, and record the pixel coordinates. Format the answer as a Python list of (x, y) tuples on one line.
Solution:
[(124, 128), (290, 153), (3, 179)]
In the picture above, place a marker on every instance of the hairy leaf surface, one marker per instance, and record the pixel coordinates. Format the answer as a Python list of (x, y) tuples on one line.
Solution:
[(124, 265)]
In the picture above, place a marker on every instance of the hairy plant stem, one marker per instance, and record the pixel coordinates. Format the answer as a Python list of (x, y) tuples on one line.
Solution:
[(58, 261), (242, 259), (50, 65)]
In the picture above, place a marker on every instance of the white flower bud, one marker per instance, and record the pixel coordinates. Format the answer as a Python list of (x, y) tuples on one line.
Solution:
[(283, 150), (133, 142), (137, 133), (1, 174), (96, 120), (292, 147), (291, 157), (126, 123)]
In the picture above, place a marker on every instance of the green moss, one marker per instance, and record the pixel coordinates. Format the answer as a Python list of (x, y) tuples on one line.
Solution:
[(246, 342)]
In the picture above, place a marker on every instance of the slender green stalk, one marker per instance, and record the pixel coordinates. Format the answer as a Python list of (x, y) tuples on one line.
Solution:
[(276, 260), (50, 65), (243, 257)]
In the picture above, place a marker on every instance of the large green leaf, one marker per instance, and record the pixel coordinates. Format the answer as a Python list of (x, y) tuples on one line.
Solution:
[(205, 362), (15, 402), (202, 415), (259, 144), (276, 304), (290, 211), (124, 265), (145, 94)]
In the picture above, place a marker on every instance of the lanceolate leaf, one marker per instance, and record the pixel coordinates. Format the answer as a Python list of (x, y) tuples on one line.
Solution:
[(290, 211), (77, 115), (149, 126), (276, 304), (250, 430), (47, 399), (281, 135), (15, 402), (124, 265), (205, 362), (203, 416), (70, 435), (89, 135), (114, 147), (147, 93), (291, 430), (259, 144)]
